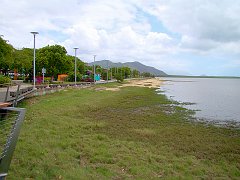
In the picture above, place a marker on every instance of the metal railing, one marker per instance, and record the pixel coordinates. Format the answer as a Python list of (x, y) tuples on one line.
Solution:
[(10, 123), (14, 93)]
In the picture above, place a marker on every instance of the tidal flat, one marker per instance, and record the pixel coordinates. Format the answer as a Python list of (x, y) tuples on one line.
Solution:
[(131, 133)]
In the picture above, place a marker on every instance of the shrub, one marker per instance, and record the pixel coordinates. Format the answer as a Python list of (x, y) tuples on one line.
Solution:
[(119, 77), (71, 77), (4, 79), (21, 78), (47, 79)]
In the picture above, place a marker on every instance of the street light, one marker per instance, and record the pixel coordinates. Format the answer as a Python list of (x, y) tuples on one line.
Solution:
[(75, 71), (107, 70), (34, 60), (94, 71)]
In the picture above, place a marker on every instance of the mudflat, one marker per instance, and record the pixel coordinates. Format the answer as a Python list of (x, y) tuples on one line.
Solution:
[(132, 133)]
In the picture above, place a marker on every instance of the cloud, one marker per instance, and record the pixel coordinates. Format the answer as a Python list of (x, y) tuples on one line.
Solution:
[(193, 43), (214, 22), (122, 29)]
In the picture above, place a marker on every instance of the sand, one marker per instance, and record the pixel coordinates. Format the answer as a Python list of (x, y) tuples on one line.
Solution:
[(149, 83)]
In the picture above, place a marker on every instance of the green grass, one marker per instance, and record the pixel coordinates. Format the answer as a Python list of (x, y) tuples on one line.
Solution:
[(129, 134)]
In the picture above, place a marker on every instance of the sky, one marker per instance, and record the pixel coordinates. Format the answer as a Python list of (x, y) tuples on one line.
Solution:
[(186, 37)]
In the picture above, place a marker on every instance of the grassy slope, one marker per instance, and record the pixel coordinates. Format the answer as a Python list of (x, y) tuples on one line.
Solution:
[(132, 133)]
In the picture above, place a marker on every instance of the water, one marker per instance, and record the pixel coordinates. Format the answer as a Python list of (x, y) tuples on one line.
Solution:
[(216, 99)]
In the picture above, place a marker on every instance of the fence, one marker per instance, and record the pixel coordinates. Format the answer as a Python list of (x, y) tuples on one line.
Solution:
[(10, 123)]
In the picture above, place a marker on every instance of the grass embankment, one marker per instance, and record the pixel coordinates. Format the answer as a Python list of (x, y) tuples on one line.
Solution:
[(131, 133)]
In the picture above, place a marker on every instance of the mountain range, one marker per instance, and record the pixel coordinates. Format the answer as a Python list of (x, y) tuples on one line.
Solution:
[(133, 65)]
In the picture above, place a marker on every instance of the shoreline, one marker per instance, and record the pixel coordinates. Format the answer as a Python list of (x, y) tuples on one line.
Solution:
[(156, 83), (132, 133), (148, 82), (193, 106)]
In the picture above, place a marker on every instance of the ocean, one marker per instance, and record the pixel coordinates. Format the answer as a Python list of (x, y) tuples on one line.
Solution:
[(213, 99)]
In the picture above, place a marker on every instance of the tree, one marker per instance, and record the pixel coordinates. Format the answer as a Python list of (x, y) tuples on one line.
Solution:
[(147, 74), (54, 59), (104, 74), (23, 60), (114, 71), (80, 68), (6, 56), (135, 73), (126, 72), (119, 77)]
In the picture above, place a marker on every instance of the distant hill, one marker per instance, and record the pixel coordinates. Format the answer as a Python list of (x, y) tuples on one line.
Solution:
[(133, 65)]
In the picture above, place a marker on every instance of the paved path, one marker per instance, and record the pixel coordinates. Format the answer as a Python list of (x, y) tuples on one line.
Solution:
[(3, 90)]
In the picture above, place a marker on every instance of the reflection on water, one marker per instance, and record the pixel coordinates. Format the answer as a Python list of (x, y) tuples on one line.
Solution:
[(217, 99)]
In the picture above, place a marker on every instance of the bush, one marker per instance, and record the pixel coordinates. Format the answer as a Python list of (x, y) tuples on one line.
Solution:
[(47, 79), (4, 79), (20, 78), (71, 77), (119, 77)]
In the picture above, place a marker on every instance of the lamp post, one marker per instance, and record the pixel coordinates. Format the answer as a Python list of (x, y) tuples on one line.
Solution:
[(94, 71), (75, 71), (107, 70), (34, 60)]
